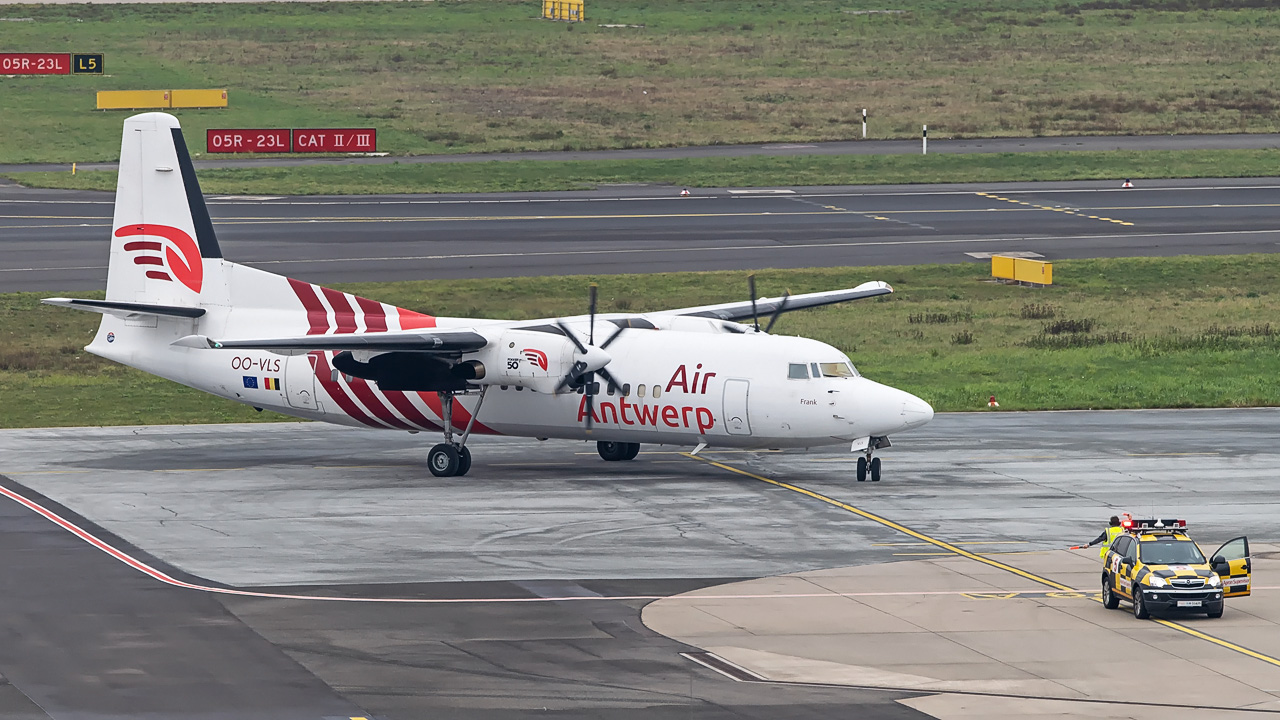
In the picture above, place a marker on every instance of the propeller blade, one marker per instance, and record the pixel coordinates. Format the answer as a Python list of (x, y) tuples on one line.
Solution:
[(782, 307), (572, 336), (591, 310), (575, 373), (755, 317), (613, 337), (608, 376)]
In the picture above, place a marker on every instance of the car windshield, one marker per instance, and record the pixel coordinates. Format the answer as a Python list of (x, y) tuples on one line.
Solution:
[(1170, 552)]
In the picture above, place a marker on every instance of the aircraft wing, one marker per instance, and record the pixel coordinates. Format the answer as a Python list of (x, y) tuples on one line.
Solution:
[(766, 306), (429, 341)]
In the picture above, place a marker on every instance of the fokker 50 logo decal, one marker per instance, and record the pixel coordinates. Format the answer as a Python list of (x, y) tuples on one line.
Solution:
[(181, 254), (537, 357)]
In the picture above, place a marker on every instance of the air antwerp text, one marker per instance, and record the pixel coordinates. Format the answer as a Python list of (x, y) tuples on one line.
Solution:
[(625, 413)]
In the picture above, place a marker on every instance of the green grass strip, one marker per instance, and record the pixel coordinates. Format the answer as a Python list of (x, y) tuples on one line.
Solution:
[(1118, 333), (757, 171)]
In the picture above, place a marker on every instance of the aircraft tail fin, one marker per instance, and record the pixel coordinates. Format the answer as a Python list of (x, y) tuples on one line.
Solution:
[(161, 236)]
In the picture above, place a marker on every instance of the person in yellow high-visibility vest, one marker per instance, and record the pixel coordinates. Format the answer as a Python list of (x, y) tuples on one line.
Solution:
[(1112, 532)]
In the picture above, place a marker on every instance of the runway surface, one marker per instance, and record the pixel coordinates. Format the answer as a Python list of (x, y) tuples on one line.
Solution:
[(56, 241), (938, 146), (302, 509)]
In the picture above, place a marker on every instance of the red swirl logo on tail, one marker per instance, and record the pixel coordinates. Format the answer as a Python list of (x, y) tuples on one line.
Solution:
[(181, 254)]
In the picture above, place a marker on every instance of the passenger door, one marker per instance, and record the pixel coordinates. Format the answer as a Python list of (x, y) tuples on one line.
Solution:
[(736, 420), (1232, 563)]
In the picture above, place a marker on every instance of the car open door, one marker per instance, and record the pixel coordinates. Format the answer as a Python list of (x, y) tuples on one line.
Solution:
[(1233, 565)]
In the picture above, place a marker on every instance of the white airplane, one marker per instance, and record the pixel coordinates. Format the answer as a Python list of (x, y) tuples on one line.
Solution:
[(693, 376)]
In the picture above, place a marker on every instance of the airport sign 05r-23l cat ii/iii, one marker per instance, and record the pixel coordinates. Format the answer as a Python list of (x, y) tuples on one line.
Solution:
[(698, 376)]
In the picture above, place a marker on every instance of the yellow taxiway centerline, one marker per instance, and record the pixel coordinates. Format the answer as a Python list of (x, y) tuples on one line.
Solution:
[(953, 549)]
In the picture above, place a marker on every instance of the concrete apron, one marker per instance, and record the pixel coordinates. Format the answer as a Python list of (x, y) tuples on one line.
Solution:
[(955, 624)]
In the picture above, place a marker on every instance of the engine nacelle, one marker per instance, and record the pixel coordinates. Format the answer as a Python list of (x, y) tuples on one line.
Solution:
[(535, 360)]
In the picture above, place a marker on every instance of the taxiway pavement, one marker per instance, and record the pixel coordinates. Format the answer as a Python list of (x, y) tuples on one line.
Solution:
[(301, 509), (56, 241)]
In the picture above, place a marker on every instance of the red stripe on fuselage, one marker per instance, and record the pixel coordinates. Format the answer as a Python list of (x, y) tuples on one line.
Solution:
[(335, 390), (375, 318), (460, 415), (410, 320), (409, 410), (317, 317), (142, 245), (157, 275), (342, 311)]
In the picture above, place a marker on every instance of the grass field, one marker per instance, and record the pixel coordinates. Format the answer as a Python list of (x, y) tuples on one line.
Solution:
[(487, 75), (706, 172), (1124, 333)]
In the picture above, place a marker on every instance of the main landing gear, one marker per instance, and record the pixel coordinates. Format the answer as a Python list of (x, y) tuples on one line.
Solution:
[(449, 458), (613, 451)]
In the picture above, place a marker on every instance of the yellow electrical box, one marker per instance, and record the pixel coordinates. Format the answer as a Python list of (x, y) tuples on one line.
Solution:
[(570, 10), (198, 98), (1032, 271), (1021, 270), (132, 99), (1001, 267)]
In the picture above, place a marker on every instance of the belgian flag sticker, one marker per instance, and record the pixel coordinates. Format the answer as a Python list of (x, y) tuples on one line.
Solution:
[(271, 383)]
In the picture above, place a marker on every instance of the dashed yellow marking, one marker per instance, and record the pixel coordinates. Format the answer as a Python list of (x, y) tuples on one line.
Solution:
[(954, 550), (1052, 209)]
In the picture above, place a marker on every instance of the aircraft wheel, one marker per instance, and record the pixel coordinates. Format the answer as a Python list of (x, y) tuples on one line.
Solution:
[(633, 449), (862, 469), (613, 451), (444, 460), (1139, 607), (464, 461), (1110, 600), (875, 469)]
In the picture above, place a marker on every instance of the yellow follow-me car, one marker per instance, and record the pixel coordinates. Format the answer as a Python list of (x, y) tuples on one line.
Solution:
[(1157, 567)]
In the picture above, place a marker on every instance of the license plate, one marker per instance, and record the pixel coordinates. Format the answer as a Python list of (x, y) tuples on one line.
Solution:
[(1188, 603)]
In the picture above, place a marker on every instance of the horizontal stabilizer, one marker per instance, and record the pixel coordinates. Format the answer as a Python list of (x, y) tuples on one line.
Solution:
[(766, 306), (125, 309), (443, 342)]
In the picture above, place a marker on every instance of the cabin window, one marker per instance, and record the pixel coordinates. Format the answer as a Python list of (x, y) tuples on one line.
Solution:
[(837, 369), (798, 371), (640, 390), (626, 389), (609, 389), (657, 391)]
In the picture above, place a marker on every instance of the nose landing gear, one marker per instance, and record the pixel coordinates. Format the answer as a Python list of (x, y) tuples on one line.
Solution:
[(868, 465), (449, 458)]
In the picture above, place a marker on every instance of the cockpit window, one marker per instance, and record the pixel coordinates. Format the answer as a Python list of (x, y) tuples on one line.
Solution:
[(838, 369), (798, 371)]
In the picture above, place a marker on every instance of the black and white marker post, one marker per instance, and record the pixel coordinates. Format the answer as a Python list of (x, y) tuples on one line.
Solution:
[(864, 123), (924, 140)]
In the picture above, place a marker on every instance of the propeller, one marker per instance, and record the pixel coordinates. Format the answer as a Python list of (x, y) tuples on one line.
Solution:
[(591, 359), (755, 316), (777, 313)]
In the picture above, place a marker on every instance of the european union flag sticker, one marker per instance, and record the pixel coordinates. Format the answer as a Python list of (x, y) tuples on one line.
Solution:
[(251, 382)]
